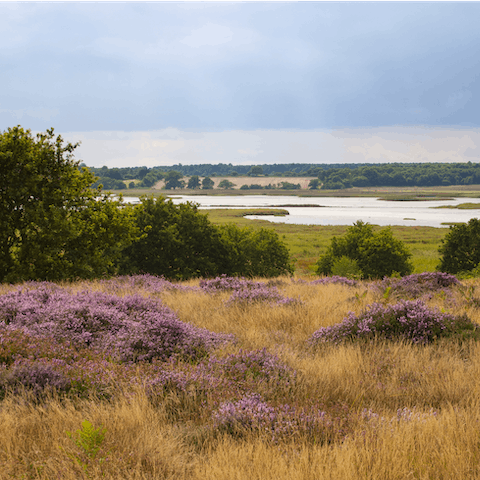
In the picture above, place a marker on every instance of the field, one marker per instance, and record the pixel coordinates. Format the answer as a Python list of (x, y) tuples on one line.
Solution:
[(262, 181), (225, 380)]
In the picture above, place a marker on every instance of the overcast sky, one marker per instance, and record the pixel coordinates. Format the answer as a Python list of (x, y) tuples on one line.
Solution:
[(165, 83)]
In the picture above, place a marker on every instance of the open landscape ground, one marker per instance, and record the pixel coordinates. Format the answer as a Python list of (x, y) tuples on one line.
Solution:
[(253, 397)]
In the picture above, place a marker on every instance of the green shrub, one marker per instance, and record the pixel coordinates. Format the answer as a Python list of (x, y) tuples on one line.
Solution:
[(377, 254)]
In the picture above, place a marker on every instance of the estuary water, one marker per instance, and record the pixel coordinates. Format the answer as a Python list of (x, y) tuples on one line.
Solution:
[(343, 211)]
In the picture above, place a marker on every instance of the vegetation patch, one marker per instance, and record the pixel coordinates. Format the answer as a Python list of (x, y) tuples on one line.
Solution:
[(407, 320), (461, 206), (276, 212)]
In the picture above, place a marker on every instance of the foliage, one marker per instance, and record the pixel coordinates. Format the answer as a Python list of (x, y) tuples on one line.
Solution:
[(177, 242), (193, 182), (419, 284), (255, 253), (173, 180), (460, 249), (227, 184), (346, 267), (52, 225), (378, 254), (252, 414), (255, 171), (313, 184), (290, 186), (129, 328), (407, 320), (207, 183), (260, 293), (89, 440)]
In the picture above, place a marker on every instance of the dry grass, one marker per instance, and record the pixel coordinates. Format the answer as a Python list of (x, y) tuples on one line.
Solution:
[(168, 439)]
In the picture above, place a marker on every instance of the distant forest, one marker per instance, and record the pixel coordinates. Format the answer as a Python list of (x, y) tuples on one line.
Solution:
[(330, 176)]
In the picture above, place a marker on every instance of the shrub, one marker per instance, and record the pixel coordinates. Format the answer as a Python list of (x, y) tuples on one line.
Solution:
[(460, 249), (251, 414), (407, 320), (255, 252), (377, 254), (260, 293), (132, 328), (36, 376), (346, 267), (416, 285)]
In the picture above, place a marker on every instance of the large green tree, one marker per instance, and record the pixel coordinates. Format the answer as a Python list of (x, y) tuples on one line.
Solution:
[(377, 254), (52, 224)]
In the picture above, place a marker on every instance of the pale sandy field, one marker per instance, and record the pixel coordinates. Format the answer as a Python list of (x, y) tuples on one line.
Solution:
[(263, 181)]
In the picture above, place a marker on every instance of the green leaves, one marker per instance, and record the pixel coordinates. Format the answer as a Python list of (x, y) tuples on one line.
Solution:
[(53, 226), (377, 254), (460, 249), (179, 242)]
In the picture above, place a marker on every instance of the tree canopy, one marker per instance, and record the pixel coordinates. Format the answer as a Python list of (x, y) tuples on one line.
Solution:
[(52, 224), (179, 242)]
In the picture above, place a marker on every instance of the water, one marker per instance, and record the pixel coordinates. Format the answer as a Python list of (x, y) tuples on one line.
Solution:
[(343, 211)]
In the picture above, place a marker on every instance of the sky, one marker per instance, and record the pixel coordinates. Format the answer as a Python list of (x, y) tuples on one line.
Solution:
[(246, 82)]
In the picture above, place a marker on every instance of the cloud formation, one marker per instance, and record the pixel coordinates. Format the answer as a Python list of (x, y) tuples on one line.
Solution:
[(303, 74)]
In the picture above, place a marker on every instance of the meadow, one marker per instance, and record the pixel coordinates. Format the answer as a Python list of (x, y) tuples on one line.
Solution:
[(289, 378)]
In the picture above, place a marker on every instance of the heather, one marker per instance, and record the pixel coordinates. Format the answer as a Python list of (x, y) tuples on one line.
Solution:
[(143, 377), (418, 285), (407, 320)]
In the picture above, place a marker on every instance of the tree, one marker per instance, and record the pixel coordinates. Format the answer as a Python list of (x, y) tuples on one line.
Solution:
[(226, 184), (178, 242), (460, 249), (53, 226), (193, 182), (255, 253), (377, 254), (255, 171), (313, 184), (173, 180), (207, 183)]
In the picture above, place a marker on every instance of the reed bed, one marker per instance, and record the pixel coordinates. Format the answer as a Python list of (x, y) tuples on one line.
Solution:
[(243, 386)]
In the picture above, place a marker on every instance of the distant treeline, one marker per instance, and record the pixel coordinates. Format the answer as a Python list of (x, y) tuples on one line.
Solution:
[(330, 176)]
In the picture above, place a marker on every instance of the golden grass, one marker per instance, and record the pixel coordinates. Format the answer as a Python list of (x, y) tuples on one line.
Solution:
[(168, 439)]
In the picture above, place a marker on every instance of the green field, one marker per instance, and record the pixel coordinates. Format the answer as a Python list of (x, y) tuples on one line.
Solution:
[(307, 242)]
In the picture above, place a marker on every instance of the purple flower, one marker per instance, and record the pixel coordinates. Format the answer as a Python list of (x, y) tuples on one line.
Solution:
[(408, 320)]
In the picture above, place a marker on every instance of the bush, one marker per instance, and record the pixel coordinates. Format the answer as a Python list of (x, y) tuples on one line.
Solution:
[(460, 249), (419, 284), (407, 320), (131, 328), (346, 267), (255, 253), (377, 254)]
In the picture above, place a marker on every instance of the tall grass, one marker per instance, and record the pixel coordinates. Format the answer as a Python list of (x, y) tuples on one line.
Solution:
[(267, 404)]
